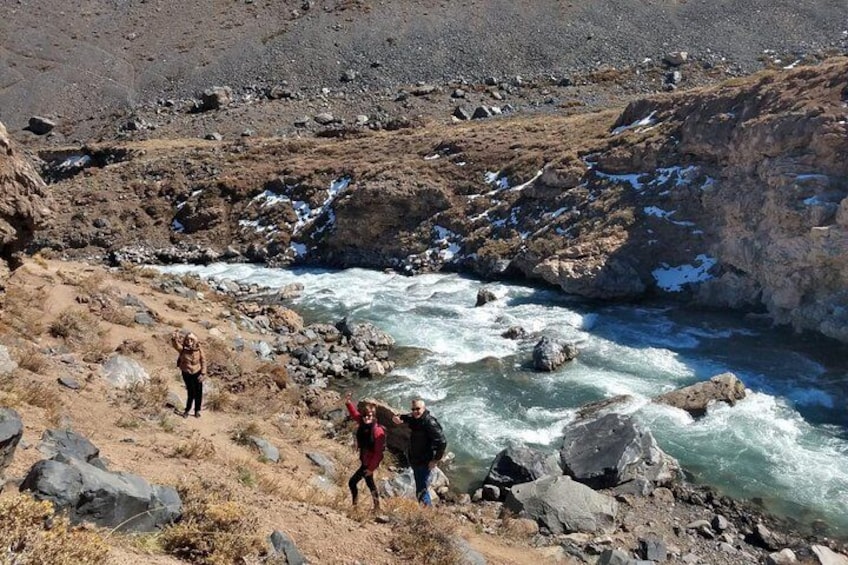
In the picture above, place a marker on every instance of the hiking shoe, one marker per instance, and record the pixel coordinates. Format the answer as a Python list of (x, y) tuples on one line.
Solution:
[(196, 414)]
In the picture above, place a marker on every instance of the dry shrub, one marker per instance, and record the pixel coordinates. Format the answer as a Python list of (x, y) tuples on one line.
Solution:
[(76, 327), (174, 305), (31, 359), (22, 309), (214, 530), (195, 448), (150, 395), (22, 387), (424, 535), (219, 400), (120, 316), (132, 347), (93, 283), (35, 535), (241, 434)]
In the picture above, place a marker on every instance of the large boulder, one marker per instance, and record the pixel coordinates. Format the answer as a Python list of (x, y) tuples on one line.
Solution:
[(11, 431), (24, 203), (122, 501), (695, 399), (549, 354), (563, 505), (614, 450), (521, 464), (70, 444), (121, 371)]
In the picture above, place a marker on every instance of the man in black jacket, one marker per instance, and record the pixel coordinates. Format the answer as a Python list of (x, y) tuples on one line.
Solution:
[(426, 445)]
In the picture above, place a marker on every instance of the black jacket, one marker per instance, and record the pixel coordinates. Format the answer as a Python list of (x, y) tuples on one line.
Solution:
[(427, 441)]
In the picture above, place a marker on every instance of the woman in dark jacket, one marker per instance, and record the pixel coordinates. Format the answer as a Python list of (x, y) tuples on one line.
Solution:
[(371, 441)]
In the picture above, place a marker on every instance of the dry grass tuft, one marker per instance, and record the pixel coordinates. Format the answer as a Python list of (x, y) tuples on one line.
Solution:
[(149, 396), (31, 359), (33, 534), (22, 387), (423, 534), (219, 400), (76, 327), (195, 448), (120, 316), (22, 309), (214, 529), (241, 434)]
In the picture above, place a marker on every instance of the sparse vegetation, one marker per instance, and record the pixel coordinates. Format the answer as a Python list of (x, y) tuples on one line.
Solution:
[(30, 532), (241, 435), (150, 395), (426, 537), (31, 359), (196, 448), (23, 388), (75, 326), (214, 530)]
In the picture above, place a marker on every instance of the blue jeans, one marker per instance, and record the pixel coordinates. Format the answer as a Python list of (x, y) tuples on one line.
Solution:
[(422, 479)]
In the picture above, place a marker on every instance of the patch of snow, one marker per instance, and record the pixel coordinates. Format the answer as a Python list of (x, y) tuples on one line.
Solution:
[(814, 201), (632, 179), (811, 176), (460, 163), (558, 212), (74, 162), (298, 248), (336, 187), (709, 183), (491, 177), (177, 226), (269, 198), (684, 223), (432, 157), (646, 121), (672, 279), (656, 212), (791, 65), (528, 183), (697, 232)]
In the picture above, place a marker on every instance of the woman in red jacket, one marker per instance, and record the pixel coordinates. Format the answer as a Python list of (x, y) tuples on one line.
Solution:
[(371, 441)]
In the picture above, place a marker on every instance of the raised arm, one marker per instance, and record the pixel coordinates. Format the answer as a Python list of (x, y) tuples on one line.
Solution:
[(177, 341), (351, 409)]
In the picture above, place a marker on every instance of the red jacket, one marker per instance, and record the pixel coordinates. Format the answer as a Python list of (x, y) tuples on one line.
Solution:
[(370, 458)]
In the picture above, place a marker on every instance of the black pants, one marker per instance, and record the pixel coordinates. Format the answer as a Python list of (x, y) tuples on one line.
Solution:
[(195, 391), (369, 480)]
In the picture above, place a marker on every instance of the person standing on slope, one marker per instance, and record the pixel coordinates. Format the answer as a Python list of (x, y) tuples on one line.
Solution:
[(371, 441), (192, 364), (427, 446)]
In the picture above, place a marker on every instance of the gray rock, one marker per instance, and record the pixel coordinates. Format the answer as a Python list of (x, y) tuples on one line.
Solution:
[(695, 398), (282, 545), (550, 354), (325, 463), (122, 501), (614, 557), (481, 112), (11, 431), (348, 76), (213, 136), (215, 98), (121, 372), (324, 118), (7, 364), (520, 464), (458, 93), (266, 449), (484, 296), (515, 332), (783, 557), (144, 319), (719, 523), (827, 556), (676, 58), (467, 554), (652, 549), (462, 113), (173, 401), (491, 492), (69, 383), (71, 445), (563, 505), (612, 450), (40, 125), (763, 537)]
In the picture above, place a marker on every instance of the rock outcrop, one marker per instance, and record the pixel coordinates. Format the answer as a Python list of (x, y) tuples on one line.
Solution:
[(614, 450), (697, 397), (519, 464), (563, 505), (24, 204), (107, 499), (11, 431)]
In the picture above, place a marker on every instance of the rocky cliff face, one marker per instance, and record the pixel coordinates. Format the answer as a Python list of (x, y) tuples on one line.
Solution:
[(733, 196), (23, 204)]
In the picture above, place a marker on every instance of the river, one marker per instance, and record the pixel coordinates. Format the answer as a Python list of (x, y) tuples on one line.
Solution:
[(785, 444)]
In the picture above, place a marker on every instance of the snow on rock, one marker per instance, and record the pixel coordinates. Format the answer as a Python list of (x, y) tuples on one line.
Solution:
[(672, 279), (646, 121)]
